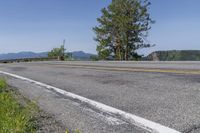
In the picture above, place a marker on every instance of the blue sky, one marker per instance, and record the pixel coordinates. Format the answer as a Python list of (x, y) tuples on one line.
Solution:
[(40, 25)]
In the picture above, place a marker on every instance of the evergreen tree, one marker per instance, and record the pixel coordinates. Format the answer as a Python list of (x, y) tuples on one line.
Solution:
[(123, 28)]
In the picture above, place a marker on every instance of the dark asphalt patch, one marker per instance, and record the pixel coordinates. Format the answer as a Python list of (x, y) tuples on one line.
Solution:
[(17, 68)]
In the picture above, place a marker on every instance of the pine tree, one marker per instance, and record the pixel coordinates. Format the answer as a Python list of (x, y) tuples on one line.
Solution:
[(123, 28)]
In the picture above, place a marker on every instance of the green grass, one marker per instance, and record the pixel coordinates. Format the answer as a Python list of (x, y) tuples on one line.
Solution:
[(77, 131), (3, 84), (15, 118)]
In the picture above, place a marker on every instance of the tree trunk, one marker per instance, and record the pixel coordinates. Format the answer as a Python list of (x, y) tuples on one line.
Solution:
[(118, 46)]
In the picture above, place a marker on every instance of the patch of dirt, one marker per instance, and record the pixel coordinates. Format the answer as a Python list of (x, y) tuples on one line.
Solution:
[(47, 124)]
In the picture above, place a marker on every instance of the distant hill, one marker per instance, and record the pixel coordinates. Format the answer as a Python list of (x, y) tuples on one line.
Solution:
[(22, 55), (77, 55), (80, 55), (174, 55)]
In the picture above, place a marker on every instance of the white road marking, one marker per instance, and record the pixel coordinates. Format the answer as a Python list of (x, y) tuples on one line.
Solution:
[(133, 119), (105, 118)]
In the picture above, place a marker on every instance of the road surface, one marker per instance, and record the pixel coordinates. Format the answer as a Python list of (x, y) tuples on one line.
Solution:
[(167, 93)]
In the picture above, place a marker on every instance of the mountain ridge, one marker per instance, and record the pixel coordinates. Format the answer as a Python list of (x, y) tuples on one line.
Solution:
[(30, 54), (174, 55)]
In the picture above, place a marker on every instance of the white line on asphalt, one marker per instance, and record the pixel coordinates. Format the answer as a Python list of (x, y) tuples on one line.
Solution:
[(133, 119)]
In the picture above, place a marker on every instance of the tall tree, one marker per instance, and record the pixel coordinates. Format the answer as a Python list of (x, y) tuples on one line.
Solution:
[(123, 28), (57, 53)]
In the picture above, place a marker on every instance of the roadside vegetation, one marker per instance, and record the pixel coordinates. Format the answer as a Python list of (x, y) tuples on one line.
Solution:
[(15, 118), (174, 55), (19, 115), (77, 131), (60, 53)]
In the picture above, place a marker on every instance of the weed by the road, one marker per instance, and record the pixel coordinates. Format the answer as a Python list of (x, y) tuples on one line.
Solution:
[(3, 84), (15, 118), (77, 131)]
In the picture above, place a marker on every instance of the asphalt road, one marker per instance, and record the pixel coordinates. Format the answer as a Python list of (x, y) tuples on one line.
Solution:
[(170, 97)]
